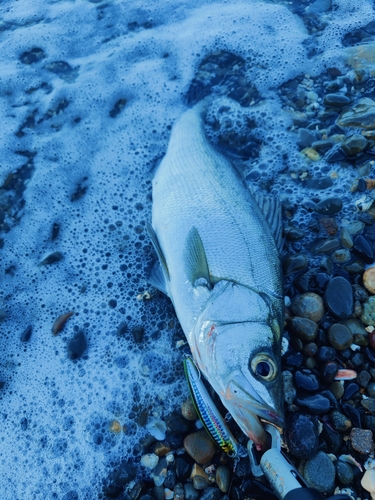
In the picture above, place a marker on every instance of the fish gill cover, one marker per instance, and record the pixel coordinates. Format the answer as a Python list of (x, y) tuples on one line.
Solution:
[(89, 93)]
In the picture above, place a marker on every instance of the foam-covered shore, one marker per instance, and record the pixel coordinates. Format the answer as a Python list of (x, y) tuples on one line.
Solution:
[(89, 92)]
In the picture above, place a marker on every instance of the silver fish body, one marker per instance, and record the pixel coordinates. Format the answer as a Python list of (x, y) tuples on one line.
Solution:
[(220, 267)]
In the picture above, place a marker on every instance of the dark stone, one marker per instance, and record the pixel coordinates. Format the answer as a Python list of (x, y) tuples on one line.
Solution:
[(304, 328), (26, 334), (211, 493), (306, 380), (329, 206), (350, 390), (310, 349), (326, 246), (339, 297), (77, 345), (319, 473), (316, 404), (336, 100), (51, 259), (363, 250), (340, 337), (327, 353), (183, 466), (353, 415), (332, 438), (32, 56), (55, 231), (294, 359), (344, 472), (358, 360), (328, 371), (302, 435), (354, 144), (294, 263), (321, 280), (170, 480), (340, 422), (363, 378), (24, 424), (117, 108), (177, 424), (294, 233)]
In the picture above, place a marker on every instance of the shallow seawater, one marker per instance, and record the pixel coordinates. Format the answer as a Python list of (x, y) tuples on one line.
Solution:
[(89, 91)]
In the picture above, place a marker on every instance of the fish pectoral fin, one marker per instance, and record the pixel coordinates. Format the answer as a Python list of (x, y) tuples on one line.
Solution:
[(271, 208), (157, 278), (159, 252), (196, 260)]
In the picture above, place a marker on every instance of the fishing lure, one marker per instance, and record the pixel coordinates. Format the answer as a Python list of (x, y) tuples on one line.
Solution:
[(207, 411)]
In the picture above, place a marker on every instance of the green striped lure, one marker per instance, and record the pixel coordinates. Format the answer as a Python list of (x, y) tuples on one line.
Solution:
[(207, 411)]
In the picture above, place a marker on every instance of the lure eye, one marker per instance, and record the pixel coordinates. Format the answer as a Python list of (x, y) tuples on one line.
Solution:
[(264, 367)]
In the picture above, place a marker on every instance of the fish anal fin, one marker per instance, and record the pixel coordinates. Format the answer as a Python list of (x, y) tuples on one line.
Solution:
[(196, 260), (158, 250), (271, 208), (157, 278)]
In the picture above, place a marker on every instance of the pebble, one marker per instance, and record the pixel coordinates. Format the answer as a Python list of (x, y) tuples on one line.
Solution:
[(328, 371), (336, 100), (362, 249), (26, 334), (361, 115), (358, 360), (200, 446), (77, 345), (368, 312), (308, 305), (223, 478), (168, 494), (355, 326), (188, 410), (294, 263), (371, 389), (369, 404), (326, 353), (190, 492), (354, 144), (319, 473), (304, 328), (350, 390), (339, 336), (341, 256), (213, 494), (339, 297), (288, 386), (161, 449), (182, 468), (51, 259), (307, 380), (337, 389), (326, 246), (369, 279), (363, 378), (346, 238), (329, 206), (344, 472), (199, 477), (362, 440), (330, 226), (178, 492), (302, 435), (340, 422), (310, 349), (177, 424), (316, 404), (160, 472)]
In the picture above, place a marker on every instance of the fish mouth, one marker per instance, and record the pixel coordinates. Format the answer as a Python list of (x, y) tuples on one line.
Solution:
[(248, 410)]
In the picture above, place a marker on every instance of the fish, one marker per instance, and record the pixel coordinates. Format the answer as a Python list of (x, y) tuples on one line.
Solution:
[(218, 246)]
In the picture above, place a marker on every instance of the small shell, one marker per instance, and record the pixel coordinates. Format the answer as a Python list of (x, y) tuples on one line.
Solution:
[(343, 374), (115, 426), (60, 322)]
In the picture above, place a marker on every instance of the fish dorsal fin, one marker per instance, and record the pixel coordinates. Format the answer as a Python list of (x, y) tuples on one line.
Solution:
[(271, 208), (158, 250), (196, 259)]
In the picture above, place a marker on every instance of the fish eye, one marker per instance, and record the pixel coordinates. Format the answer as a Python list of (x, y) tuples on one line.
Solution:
[(264, 367)]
